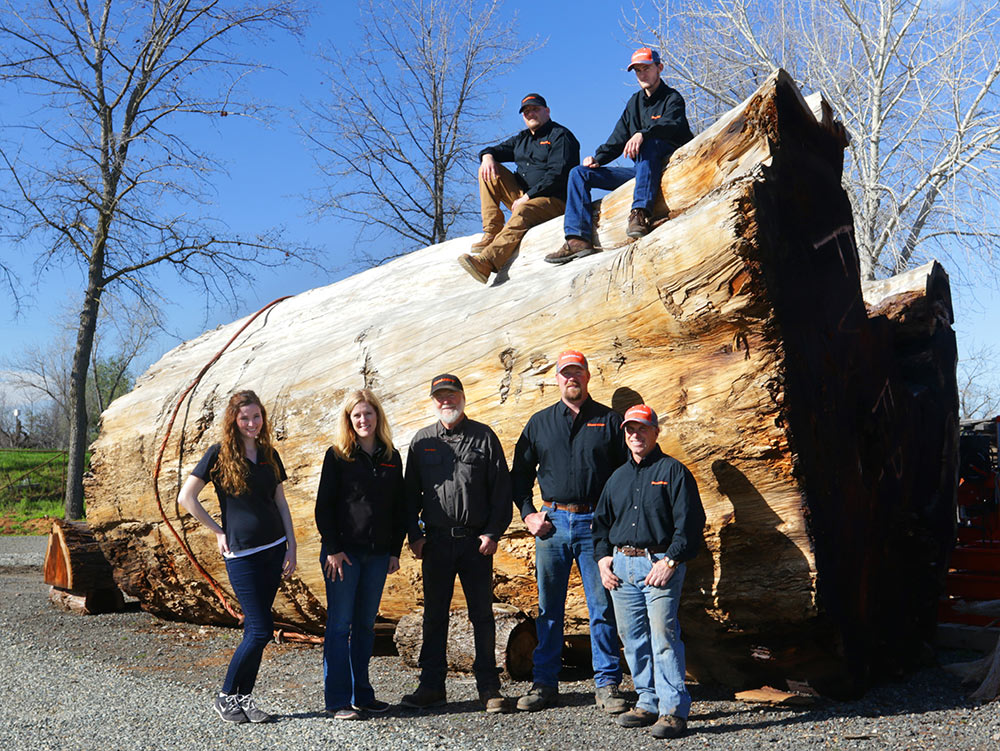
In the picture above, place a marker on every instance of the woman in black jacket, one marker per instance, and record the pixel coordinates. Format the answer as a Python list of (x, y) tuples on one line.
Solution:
[(360, 512)]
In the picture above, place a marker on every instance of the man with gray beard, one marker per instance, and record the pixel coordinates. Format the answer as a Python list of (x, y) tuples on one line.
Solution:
[(458, 498)]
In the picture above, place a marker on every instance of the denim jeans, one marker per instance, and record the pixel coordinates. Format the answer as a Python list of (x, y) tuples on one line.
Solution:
[(554, 555), (647, 170), (351, 606), (647, 622), (254, 579)]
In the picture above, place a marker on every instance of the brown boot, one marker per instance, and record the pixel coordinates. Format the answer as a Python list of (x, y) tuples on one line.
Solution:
[(669, 726), (573, 248), (478, 268), (480, 245), (638, 223), (494, 702)]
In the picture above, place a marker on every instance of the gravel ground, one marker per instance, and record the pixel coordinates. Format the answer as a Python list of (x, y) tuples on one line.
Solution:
[(130, 681)]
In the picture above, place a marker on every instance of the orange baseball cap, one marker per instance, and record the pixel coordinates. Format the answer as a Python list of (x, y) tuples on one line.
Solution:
[(644, 56), (641, 413), (571, 357)]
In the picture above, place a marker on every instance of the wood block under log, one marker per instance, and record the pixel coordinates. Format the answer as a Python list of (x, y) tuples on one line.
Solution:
[(822, 433), (91, 602)]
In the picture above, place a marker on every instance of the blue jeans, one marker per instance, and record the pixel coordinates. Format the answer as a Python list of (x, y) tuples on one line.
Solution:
[(647, 170), (351, 606), (254, 579), (647, 622), (554, 555)]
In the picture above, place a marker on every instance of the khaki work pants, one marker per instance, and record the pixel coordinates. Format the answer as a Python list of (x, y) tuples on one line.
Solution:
[(504, 191)]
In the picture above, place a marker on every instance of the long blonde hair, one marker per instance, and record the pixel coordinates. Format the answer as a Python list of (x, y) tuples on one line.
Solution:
[(232, 467), (346, 439)]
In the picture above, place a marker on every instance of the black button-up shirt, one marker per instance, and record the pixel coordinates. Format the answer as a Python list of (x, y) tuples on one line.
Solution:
[(661, 115), (457, 478), (544, 159), (655, 502), (573, 455)]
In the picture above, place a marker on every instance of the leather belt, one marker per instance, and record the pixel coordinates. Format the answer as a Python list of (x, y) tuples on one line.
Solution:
[(575, 508), (453, 531), (637, 552)]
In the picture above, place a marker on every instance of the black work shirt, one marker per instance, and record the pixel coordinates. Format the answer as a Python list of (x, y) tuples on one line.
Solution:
[(660, 115), (655, 502), (544, 159), (457, 477), (574, 454), (250, 520), (361, 504)]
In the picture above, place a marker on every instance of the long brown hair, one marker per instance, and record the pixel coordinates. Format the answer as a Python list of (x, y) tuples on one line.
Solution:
[(232, 473), (346, 439)]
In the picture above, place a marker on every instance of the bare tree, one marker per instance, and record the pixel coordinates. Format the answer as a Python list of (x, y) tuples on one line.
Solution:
[(399, 133), (979, 384), (106, 173), (915, 82)]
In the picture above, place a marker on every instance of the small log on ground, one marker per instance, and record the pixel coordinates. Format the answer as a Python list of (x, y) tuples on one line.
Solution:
[(80, 576)]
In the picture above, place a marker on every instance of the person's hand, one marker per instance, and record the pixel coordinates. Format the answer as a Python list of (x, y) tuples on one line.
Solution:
[(417, 546), (538, 523), (220, 540), (333, 567), (488, 168), (288, 565), (518, 202), (633, 146), (608, 578), (393, 564), (589, 161), (487, 545), (660, 574)]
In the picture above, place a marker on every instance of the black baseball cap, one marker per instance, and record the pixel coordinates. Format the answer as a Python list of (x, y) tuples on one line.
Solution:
[(447, 382), (532, 100)]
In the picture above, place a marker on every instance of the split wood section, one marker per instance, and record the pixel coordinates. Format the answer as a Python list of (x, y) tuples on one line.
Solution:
[(77, 571), (822, 433)]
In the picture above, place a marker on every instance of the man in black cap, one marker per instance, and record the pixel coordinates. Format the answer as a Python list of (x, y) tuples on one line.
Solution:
[(458, 490), (545, 152), (651, 128)]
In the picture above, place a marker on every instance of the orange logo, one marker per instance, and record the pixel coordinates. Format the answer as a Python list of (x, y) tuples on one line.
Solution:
[(656, 117), (383, 464), (595, 424), (659, 482), (545, 143), (430, 449)]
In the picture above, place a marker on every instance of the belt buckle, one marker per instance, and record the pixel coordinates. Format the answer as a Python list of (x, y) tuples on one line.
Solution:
[(458, 532)]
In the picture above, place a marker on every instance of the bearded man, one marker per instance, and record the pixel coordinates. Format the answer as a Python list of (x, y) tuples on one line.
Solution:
[(458, 490)]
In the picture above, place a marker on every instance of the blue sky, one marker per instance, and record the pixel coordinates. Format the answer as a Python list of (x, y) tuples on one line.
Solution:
[(580, 70)]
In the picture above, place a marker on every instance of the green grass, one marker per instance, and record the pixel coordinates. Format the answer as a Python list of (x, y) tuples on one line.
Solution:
[(31, 483)]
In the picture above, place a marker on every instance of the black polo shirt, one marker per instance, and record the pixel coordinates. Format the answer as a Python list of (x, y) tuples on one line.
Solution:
[(572, 455), (250, 520), (661, 115), (655, 502), (544, 159)]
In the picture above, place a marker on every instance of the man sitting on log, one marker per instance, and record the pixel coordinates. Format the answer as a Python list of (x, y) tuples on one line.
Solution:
[(650, 129), (649, 521), (573, 447), (545, 152), (458, 485)]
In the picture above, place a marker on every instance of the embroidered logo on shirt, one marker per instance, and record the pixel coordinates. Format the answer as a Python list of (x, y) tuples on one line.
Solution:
[(383, 464), (655, 117), (545, 143), (430, 449), (595, 424), (658, 482)]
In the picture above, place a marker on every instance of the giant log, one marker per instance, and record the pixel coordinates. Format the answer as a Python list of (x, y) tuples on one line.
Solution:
[(819, 421)]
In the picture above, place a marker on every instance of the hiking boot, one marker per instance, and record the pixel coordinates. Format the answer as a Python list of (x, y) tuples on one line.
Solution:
[(493, 701), (669, 726), (610, 699), (573, 248), (375, 706), (638, 223), (251, 710), (538, 697), (424, 697), (345, 713), (484, 242), (636, 718), (478, 268), (229, 709)]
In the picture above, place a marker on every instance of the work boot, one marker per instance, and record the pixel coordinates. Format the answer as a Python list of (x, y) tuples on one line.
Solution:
[(638, 223), (669, 726), (636, 718), (478, 268), (424, 697), (538, 697), (484, 242), (493, 701), (610, 700), (573, 248)]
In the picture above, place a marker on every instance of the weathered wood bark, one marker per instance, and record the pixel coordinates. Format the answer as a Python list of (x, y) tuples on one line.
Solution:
[(804, 418), (80, 577)]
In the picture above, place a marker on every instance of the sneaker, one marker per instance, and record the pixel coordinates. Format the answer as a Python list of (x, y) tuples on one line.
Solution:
[(573, 248), (374, 706), (669, 726), (229, 709), (636, 718), (538, 697), (251, 710), (638, 223), (478, 268), (345, 713), (610, 699), (482, 243), (493, 701), (424, 697)]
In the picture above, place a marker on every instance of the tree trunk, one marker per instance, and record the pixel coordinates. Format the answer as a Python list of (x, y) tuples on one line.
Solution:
[(822, 435)]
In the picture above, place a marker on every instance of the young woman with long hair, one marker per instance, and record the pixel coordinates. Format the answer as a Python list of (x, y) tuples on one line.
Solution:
[(256, 538), (360, 513)]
